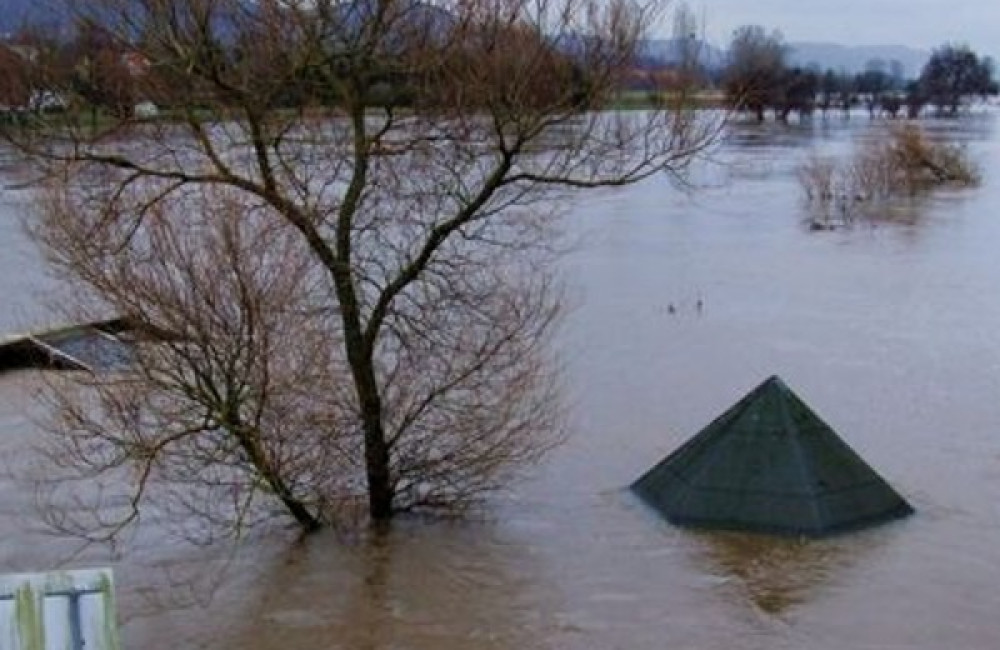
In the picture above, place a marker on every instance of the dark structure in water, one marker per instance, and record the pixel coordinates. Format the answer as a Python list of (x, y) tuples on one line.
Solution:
[(93, 347), (769, 464)]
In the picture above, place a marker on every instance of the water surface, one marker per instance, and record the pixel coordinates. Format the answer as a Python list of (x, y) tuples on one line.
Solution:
[(890, 330)]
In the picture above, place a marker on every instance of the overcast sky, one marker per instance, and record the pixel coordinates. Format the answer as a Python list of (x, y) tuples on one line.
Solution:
[(923, 24)]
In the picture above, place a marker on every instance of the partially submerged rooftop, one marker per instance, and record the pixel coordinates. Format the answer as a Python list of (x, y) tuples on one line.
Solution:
[(769, 464), (93, 346)]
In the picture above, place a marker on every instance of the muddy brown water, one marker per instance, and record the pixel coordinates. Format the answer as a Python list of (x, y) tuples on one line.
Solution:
[(891, 331)]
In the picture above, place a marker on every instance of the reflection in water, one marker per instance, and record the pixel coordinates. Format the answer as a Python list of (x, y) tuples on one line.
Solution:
[(776, 573), (442, 586)]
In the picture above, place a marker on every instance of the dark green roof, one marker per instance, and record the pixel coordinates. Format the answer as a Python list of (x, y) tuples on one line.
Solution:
[(770, 464)]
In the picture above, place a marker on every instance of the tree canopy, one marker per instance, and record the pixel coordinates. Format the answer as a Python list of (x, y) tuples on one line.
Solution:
[(754, 77), (954, 74), (343, 225)]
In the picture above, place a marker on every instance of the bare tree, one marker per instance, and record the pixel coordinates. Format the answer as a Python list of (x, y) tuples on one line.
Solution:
[(415, 155), (755, 75), (687, 41), (954, 74), (228, 406), (903, 162), (14, 93)]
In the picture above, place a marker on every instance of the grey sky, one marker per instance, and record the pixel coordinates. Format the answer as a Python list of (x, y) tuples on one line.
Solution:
[(923, 24)]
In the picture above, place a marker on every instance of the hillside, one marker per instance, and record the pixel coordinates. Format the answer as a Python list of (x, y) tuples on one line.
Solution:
[(855, 59), (672, 51), (825, 55), (16, 13)]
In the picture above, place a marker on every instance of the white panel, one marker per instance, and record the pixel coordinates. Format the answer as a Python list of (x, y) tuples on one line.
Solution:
[(39, 611)]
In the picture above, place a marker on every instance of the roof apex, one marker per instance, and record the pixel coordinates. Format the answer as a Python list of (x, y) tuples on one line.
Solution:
[(769, 463)]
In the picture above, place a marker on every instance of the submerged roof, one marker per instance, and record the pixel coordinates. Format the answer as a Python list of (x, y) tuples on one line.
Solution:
[(89, 346), (770, 464)]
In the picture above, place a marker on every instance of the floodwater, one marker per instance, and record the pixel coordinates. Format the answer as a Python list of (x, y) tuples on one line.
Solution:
[(890, 330)]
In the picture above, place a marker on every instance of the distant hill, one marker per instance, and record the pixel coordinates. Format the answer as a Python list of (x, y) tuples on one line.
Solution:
[(855, 59), (826, 55), (669, 51), (15, 14)]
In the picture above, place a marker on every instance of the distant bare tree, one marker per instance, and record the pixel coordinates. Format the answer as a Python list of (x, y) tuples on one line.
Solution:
[(954, 74), (903, 162), (407, 160), (755, 76), (687, 41)]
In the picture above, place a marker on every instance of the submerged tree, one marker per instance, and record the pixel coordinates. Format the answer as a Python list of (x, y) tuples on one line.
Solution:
[(226, 404), (904, 162), (798, 93), (875, 84), (955, 74), (406, 159), (755, 76)]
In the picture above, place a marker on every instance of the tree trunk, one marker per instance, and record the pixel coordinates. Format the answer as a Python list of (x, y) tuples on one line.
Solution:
[(360, 351), (301, 514), (380, 493), (251, 445), (360, 358), (377, 473)]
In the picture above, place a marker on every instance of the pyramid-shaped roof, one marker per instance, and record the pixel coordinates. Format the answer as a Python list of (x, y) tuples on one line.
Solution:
[(770, 464)]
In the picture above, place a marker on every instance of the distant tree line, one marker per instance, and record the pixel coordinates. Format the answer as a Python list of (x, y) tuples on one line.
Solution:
[(43, 69), (92, 65), (758, 78)]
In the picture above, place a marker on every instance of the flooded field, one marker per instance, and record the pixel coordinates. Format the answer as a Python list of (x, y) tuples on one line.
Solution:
[(890, 330)]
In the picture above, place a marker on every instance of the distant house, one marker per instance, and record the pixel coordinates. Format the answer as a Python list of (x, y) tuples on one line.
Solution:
[(27, 52), (17, 93), (135, 63), (146, 110)]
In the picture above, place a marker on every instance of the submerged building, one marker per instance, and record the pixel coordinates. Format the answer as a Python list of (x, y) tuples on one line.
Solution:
[(770, 464), (95, 346)]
